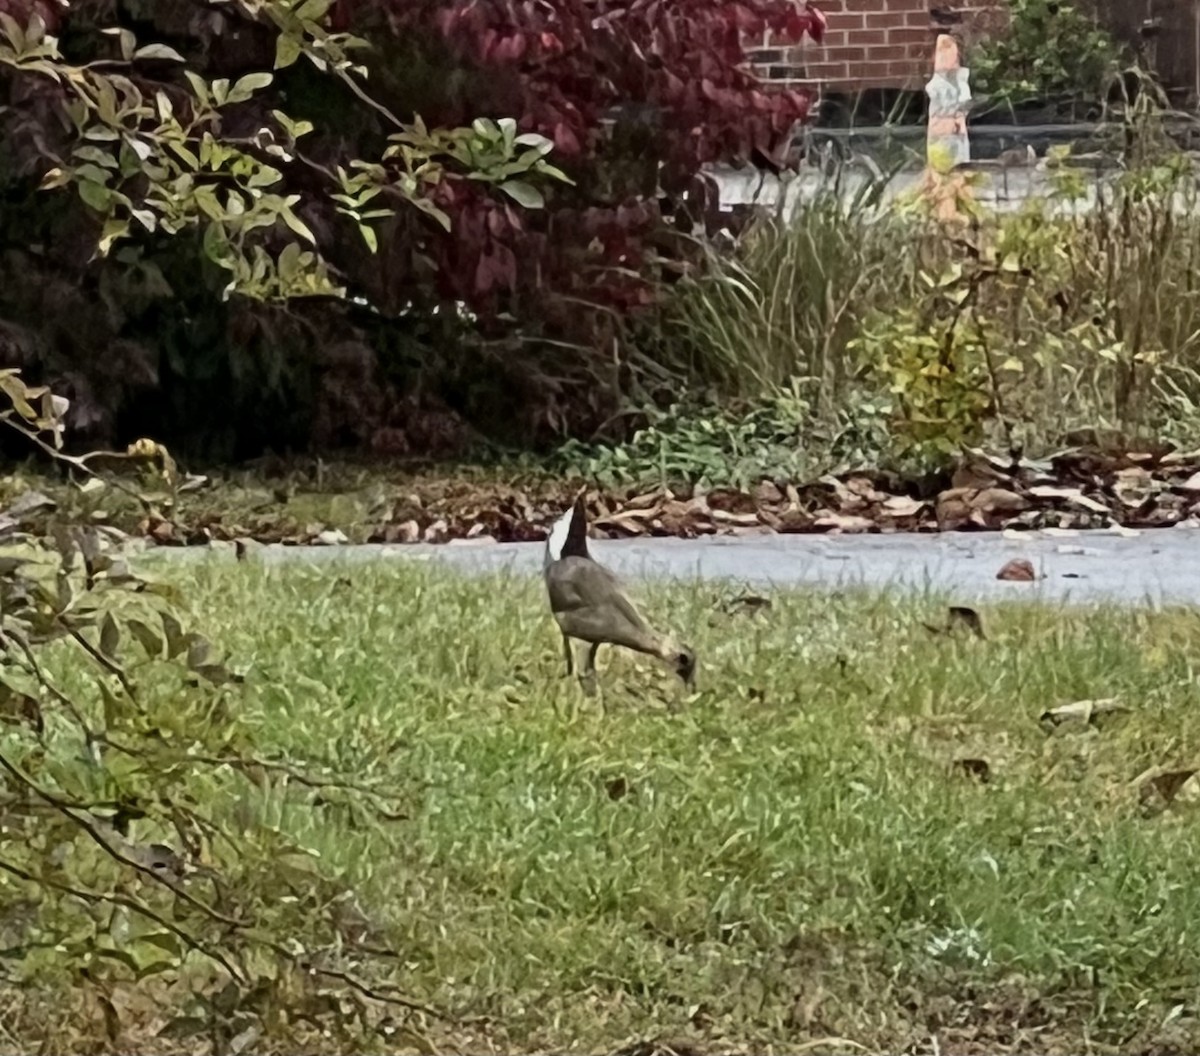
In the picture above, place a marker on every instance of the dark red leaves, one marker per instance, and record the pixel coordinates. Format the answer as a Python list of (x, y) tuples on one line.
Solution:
[(636, 95), (51, 12)]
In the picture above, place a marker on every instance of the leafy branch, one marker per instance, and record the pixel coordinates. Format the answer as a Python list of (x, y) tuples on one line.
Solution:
[(149, 156), (120, 800)]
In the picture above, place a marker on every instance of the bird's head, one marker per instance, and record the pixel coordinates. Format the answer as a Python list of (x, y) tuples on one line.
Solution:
[(684, 662)]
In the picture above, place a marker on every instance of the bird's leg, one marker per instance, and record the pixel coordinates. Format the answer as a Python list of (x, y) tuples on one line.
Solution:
[(569, 653), (587, 677)]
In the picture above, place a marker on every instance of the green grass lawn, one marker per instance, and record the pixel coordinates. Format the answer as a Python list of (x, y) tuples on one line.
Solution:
[(793, 854)]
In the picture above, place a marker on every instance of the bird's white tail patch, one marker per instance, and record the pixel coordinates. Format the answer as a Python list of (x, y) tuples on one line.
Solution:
[(560, 531)]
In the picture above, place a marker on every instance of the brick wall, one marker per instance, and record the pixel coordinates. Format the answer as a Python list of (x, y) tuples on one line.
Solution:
[(874, 43)]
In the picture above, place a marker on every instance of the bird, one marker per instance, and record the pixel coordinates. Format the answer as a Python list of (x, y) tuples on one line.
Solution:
[(590, 605)]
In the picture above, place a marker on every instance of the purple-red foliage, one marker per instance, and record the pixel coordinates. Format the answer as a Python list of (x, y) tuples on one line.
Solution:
[(583, 73)]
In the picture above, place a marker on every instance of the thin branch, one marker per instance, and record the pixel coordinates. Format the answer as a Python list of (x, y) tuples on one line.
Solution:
[(386, 996), (245, 763), (78, 461), (363, 97), (65, 808), (108, 665), (133, 904)]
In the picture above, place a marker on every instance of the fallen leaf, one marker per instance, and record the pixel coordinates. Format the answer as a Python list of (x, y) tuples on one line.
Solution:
[(843, 522), (1162, 787), (976, 768), (630, 522), (617, 788), (1083, 711), (903, 506), (998, 500), (963, 616), (743, 520), (768, 492), (1018, 570), (163, 532), (404, 532), (1074, 495), (193, 482), (747, 603)]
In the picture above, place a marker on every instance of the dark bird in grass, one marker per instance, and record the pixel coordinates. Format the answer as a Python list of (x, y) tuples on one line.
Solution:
[(589, 604)]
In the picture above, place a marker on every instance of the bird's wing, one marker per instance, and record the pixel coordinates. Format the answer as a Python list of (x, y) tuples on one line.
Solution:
[(580, 583)]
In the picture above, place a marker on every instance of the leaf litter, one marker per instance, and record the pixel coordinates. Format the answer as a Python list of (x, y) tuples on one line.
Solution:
[(1079, 489)]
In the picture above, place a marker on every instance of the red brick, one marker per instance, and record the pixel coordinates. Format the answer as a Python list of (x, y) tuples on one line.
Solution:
[(871, 37), (889, 51), (887, 20), (851, 53), (912, 36), (847, 20), (825, 70)]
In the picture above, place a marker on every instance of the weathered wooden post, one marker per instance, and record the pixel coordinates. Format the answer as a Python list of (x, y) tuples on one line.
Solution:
[(947, 143)]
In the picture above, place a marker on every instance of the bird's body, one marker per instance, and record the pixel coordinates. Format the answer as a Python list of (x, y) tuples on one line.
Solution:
[(589, 604)]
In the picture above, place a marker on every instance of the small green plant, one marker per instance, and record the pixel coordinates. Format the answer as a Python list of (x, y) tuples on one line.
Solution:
[(705, 445), (937, 372)]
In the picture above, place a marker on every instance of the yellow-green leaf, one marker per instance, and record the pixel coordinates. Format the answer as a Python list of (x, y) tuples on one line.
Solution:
[(158, 51), (525, 194), (114, 228), (54, 178), (287, 50), (298, 225), (95, 195)]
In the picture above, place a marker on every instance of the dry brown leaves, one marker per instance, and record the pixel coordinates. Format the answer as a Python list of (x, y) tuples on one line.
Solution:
[(1018, 570), (1086, 487)]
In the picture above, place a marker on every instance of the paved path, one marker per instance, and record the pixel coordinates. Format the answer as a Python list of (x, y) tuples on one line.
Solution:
[(1003, 191), (1151, 567)]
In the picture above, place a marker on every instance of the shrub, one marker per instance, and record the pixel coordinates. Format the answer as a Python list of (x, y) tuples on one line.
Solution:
[(1048, 50), (143, 853), (242, 171)]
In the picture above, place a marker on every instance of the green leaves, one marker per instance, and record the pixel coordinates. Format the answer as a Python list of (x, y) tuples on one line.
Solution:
[(150, 158), (141, 831), (157, 51), (523, 193), (1051, 50)]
